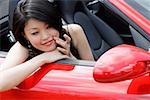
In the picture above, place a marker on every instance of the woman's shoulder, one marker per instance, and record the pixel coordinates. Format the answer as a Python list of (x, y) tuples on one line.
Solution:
[(17, 47), (74, 30), (16, 55), (72, 27)]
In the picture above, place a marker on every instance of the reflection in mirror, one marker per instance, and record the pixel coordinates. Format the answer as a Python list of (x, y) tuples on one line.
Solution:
[(125, 73), (121, 63)]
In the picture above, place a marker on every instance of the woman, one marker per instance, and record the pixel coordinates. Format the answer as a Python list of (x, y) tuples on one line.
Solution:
[(41, 39)]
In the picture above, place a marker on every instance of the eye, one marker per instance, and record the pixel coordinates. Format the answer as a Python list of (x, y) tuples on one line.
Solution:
[(34, 33)]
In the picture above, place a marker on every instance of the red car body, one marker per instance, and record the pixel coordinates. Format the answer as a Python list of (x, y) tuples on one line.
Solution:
[(57, 81)]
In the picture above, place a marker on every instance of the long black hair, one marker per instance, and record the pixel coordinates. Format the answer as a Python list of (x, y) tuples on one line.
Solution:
[(43, 10)]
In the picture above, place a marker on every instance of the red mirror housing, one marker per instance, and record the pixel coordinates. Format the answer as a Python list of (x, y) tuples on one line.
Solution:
[(121, 63)]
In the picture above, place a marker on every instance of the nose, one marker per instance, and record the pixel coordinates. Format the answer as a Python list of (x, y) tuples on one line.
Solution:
[(45, 35)]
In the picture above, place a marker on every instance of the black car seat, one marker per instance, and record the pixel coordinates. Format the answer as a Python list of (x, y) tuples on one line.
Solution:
[(101, 37), (12, 6), (6, 37), (4, 41)]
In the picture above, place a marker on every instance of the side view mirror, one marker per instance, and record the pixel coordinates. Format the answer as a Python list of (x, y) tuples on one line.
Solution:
[(121, 63)]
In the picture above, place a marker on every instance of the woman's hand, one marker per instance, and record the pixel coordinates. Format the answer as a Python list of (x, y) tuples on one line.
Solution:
[(49, 57), (64, 44)]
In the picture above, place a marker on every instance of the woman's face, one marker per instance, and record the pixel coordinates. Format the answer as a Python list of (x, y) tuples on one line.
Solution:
[(40, 35)]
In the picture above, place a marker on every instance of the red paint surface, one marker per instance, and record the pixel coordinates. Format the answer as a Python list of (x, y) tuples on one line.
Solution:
[(140, 85), (74, 84), (38, 75)]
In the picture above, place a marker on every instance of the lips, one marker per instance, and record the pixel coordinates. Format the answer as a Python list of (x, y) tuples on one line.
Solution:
[(48, 43)]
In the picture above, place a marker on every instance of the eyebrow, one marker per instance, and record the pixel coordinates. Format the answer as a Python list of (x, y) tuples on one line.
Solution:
[(31, 29)]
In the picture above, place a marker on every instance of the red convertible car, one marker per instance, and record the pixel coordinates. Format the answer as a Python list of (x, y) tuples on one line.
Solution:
[(121, 70)]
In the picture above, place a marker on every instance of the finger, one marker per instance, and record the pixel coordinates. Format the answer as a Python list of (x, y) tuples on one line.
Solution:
[(60, 57), (67, 38), (64, 57), (60, 42), (63, 44), (62, 50), (59, 39)]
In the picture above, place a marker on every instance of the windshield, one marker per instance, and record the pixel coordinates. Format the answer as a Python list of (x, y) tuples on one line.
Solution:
[(144, 3), (142, 6)]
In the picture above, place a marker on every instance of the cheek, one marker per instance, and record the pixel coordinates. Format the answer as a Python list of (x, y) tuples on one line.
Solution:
[(35, 41), (55, 33)]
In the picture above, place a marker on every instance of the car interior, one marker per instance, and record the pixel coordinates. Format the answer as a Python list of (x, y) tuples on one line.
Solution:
[(130, 32), (98, 33)]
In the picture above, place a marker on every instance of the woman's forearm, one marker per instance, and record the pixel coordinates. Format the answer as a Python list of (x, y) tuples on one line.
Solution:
[(12, 77)]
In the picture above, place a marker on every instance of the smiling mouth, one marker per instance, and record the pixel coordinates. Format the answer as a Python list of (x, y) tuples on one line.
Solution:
[(48, 43)]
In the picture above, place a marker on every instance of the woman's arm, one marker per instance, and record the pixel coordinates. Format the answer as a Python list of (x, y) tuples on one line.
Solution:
[(80, 41), (16, 55), (14, 70)]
